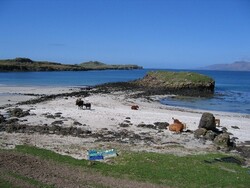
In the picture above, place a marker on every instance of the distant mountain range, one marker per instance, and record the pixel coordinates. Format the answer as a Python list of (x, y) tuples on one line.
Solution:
[(236, 66)]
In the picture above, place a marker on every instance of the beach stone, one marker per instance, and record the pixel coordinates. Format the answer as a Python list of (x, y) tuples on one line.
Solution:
[(210, 135), (235, 127), (198, 133), (149, 126), (222, 140), (57, 122), (161, 125), (123, 124), (244, 151), (207, 121), (76, 123), (2, 118), (12, 120), (18, 112)]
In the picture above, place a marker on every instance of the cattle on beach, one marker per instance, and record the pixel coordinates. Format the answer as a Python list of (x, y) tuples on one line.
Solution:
[(80, 103), (177, 126), (134, 107)]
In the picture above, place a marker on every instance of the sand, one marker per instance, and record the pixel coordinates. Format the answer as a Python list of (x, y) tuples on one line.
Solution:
[(108, 111)]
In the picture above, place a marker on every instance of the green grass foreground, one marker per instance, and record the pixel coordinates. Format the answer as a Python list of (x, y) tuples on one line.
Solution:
[(164, 169)]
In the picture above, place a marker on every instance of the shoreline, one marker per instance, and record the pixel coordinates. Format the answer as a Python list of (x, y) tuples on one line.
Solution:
[(111, 115)]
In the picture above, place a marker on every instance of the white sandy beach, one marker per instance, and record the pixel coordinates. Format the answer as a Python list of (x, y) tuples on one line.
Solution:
[(108, 111)]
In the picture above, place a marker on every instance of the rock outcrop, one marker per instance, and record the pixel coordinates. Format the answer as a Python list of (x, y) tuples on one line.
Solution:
[(207, 130), (207, 121), (180, 83)]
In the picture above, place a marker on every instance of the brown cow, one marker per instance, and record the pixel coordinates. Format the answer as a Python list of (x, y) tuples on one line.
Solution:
[(134, 107), (177, 126), (217, 122)]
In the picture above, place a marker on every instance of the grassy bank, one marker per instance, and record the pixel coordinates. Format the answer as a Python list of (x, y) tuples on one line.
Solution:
[(164, 169)]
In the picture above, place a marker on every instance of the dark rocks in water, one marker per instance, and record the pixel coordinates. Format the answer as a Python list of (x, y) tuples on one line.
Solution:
[(161, 125), (18, 112), (207, 121), (199, 133)]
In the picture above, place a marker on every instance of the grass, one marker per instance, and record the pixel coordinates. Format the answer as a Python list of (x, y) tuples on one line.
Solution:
[(30, 181), (182, 77), (165, 169), (5, 184)]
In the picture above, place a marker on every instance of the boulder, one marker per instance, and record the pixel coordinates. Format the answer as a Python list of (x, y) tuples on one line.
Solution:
[(18, 112), (2, 119), (222, 140), (161, 125), (198, 133), (207, 121), (210, 135)]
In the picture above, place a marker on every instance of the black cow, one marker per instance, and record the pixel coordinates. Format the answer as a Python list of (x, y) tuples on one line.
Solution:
[(80, 103)]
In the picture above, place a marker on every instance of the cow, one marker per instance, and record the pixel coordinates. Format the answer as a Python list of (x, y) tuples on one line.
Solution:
[(134, 107), (87, 105), (80, 103), (177, 126), (217, 122)]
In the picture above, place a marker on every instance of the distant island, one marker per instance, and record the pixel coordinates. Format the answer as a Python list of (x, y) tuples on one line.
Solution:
[(236, 66), (26, 64)]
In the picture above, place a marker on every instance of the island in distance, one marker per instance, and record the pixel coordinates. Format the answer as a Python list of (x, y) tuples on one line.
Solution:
[(26, 64), (236, 66)]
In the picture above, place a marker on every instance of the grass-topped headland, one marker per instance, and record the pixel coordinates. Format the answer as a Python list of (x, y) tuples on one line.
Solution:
[(181, 83), (166, 83), (26, 64)]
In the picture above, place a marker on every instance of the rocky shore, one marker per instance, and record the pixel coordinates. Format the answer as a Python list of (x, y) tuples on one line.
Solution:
[(55, 122)]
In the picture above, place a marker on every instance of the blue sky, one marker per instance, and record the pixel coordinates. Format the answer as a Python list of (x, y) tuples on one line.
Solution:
[(151, 33)]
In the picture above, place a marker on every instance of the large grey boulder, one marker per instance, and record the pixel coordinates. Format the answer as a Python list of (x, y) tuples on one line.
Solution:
[(207, 121)]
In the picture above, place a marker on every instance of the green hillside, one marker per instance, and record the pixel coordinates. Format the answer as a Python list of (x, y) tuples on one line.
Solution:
[(26, 64)]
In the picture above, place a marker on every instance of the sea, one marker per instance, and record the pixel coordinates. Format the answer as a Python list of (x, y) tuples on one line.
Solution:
[(232, 88)]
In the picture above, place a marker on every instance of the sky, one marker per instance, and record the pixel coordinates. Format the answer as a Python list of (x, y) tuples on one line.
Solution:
[(178, 34)]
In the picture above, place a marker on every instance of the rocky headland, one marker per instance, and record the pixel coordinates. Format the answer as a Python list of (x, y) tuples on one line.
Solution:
[(166, 83)]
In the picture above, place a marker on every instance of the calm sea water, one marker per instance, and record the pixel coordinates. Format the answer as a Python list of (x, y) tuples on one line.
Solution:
[(232, 92)]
